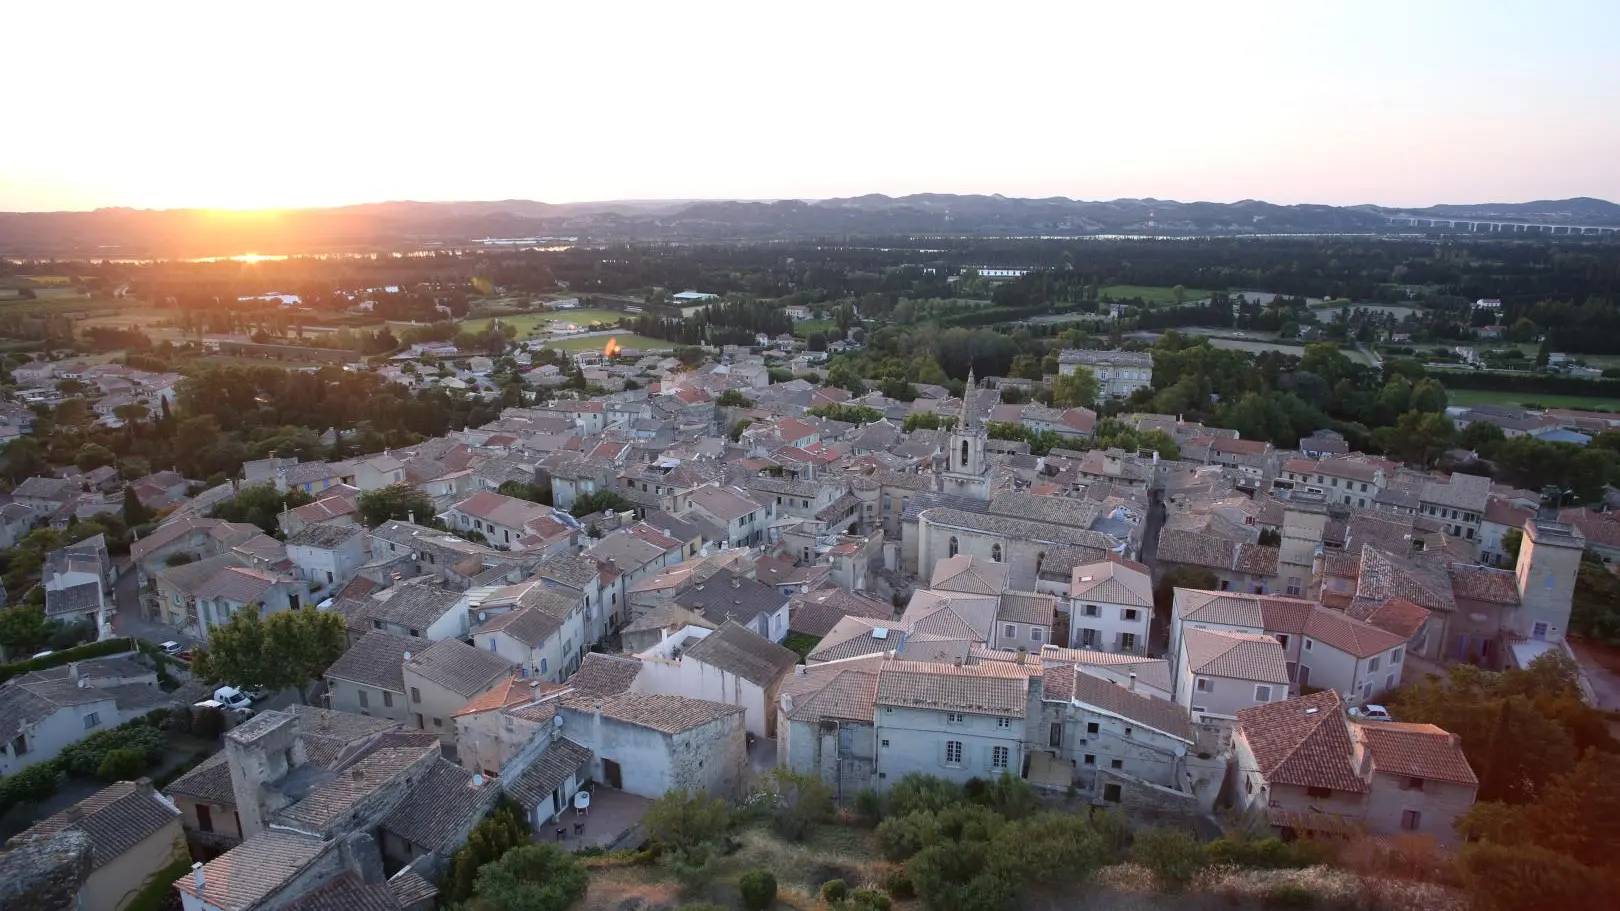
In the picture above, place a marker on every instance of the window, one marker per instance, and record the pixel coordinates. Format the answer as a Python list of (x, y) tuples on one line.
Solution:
[(91, 720), (885, 744), (1088, 638), (1395, 657), (1262, 693), (954, 718), (964, 453), (376, 624), (953, 545), (1307, 645), (1319, 792), (1131, 614), (1090, 759), (1003, 722), (1204, 685), (1092, 727), (1293, 588), (1413, 784), (1116, 763), (1282, 639), (438, 722), (19, 746), (1128, 731), (1248, 785), (365, 699), (1389, 681), (1010, 631), (1055, 739), (1372, 664), (1000, 757), (995, 553), (1127, 642), (416, 694), (542, 665), (1034, 634), (1092, 610), (953, 752), (388, 699), (1226, 586), (1411, 820), (1111, 793)]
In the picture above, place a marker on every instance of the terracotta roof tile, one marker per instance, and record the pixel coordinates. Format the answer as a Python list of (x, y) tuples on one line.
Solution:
[(1416, 751), (1304, 741), (1238, 656)]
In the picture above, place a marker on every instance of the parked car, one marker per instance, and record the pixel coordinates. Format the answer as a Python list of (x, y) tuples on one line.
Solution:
[(232, 698), (183, 655), (170, 648), (257, 692), (1370, 713)]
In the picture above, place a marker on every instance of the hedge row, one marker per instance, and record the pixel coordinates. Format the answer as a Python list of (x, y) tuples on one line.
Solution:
[(77, 653)]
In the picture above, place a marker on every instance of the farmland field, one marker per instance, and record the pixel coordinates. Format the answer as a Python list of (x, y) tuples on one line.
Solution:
[(1152, 294), (595, 342), (804, 328), (1548, 400)]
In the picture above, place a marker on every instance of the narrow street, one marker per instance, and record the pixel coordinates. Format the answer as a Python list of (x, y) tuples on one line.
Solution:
[(1159, 633)]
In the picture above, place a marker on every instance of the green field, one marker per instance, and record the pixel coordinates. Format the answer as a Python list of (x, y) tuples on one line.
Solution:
[(1151, 294), (527, 324), (804, 328), (1548, 400), (595, 342)]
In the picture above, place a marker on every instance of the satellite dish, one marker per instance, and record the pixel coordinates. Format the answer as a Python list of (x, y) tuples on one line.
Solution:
[(556, 721), (1180, 750), (407, 656), (482, 616)]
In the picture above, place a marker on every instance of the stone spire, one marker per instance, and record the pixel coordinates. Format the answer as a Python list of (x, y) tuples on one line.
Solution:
[(967, 396)]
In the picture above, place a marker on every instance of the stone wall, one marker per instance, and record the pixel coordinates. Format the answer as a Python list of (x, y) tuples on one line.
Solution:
[(1141, 799), (45, 874)]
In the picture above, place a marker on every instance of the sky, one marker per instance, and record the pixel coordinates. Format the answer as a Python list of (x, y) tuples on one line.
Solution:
[(290, 104)]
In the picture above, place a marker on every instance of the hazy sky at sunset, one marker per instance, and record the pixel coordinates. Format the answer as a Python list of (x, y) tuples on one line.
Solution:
[(172, 104)]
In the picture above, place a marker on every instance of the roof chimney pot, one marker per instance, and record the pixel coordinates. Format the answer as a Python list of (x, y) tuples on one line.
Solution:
[(197, 875)]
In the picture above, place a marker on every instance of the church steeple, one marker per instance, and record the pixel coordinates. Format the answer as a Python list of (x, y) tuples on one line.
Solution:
[(967, 396)]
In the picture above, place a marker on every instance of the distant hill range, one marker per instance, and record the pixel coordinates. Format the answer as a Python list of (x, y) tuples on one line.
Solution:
[(399, 225)]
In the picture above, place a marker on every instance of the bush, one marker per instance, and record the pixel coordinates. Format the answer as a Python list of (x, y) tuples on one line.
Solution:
[(1115, 832), (84, 757), (899, 886), (868, 804), (917, 791), (1289, 895), (834, 891), (122, 764), (1174, 856), (686, 819), (799, 802), (30, 785), (209, 724), (758, 889), (694, 867), (1266, 853), (870, 900), (532, 878), (1009, 797)]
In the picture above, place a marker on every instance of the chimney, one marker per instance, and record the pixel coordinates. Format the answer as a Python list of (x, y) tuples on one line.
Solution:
[(958, 661), (357, 774), (1133, 682), (411, 517), (800, 670), (197, 875)]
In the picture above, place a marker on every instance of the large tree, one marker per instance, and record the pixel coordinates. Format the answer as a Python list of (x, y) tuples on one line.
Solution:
[(289, 649), (1078, 388), (261, 504), (395, 502), (535, 877)]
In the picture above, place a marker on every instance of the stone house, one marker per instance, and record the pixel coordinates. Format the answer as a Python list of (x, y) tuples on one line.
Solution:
[(955, 722), (650, 743), (732, 665), (826, 723), (1238, 566), (328, 556), (1219, 673), (134, 834), (1305, 769), (443, 677), (42, 712), (368, 680), (1110, 607)]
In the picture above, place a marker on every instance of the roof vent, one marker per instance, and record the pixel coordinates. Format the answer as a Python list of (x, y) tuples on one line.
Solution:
[(880, 633), (1312, 710), (1085, 578), (358, 774)]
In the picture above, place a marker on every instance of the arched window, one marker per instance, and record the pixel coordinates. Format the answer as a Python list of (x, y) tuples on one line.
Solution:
[(953, 545), (964, 453), (995, 552)]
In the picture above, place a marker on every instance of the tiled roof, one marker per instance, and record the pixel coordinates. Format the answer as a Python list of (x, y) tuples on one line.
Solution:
[(739, 650), (1302, 741), (667, 616), (1462, 491), (1417, 751), (1055, 510), (115, 819), (815, 613), (659, 711), (415, 605), (1225, 608), (1353, 637), (852, 637), (337, 796), (410, 889), (209, 782), (1007, 526), (728, 596), (1111, 583), (1027, 607), (1599, 528), (512, 691), (549, 770), (347, 892), (458, 667), (529, 625), (1397, 615), (1159, 714), (249, 872), (323, 536), (842, 691), (604, 675), (1384, 576), (1480, 583), (238, 583), (971, 575), (376, 660), (439, 807), (992, 688), (1239, 656)]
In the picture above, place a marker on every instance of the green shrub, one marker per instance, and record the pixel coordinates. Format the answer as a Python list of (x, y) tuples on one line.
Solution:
[(122, 764), (834, 891), (898, 884), (84, 757), (694, 867), (1115, 832), (63, 656), (870, 900), (917, 791), (1266, 853), (758, 889), (1289, 896), (30, 785), (868, 803), (1174, 856), (899, 837)]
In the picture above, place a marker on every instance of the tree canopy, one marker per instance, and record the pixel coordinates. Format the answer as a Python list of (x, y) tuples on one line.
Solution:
[(288, 649), (394, 503)]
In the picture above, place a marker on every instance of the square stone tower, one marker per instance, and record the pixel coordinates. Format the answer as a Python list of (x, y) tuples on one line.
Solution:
[(1549, 561)]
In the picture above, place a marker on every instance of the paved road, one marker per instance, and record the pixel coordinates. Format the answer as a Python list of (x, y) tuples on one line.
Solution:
[(127, 621), (1159, 633)]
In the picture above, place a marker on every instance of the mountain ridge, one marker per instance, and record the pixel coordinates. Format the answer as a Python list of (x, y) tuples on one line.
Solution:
[(121, 231)]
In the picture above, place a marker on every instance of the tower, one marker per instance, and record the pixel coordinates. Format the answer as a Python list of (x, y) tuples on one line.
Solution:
[(1549, 561), (966, 472)]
